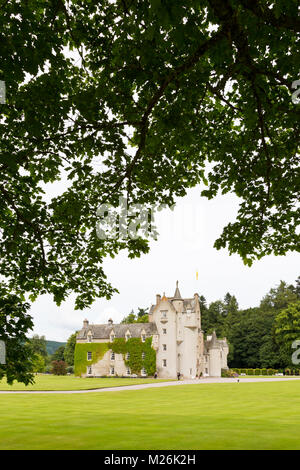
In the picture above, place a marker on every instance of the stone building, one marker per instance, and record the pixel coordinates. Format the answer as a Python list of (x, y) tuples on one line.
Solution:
[(175, 328)]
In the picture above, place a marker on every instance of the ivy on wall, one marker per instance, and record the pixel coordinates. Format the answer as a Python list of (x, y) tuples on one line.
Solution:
[(80, 356), (134, 346)]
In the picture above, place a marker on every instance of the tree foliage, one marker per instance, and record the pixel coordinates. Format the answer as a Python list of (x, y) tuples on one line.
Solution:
[(58, 355), (140, 317), (15, 323), (38, 364), (200, 91), (70, 349), (38, 345), (259, 336)]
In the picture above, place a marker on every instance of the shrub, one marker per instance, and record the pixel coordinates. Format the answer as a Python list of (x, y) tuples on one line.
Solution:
[(59, 368), (257, 371), (224, 373), (229, 373), (264, 371), (250, 372), (70, 370)]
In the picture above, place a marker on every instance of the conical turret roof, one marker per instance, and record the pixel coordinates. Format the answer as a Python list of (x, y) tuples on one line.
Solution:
[(177, 294)]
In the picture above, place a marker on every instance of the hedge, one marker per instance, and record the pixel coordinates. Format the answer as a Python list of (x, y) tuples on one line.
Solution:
[(260, 371)]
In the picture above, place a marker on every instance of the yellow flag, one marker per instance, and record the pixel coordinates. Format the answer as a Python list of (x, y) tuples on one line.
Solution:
[(197, 275)]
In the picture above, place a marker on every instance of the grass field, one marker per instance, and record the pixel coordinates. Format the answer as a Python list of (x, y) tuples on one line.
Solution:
[(241, 415), (69, 382)]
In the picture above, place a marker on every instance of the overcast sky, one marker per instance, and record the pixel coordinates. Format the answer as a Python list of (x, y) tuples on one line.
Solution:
[(185, 245)]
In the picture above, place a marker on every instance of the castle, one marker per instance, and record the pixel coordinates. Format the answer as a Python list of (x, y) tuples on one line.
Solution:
[(175, 328)]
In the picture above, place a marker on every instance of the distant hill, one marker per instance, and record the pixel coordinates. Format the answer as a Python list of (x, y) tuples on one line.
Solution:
[(52, 346)]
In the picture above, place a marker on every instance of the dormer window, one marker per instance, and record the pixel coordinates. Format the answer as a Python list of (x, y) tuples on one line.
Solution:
[(112, 337), (89, 338), (127, 335)]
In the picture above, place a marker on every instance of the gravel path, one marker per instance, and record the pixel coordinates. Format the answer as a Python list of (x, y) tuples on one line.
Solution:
[(154, 385)]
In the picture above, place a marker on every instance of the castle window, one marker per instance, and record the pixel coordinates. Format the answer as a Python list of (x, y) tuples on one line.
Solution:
[(143, 338), (127, 336), (143, 355), (112, 371), (89, 356), (164, 347), (128, 371), (164, 331), (143, 371), (127, 356), (112, 356), (164, 362), (164, 313)]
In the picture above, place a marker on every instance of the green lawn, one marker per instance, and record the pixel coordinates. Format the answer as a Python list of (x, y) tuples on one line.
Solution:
[(213, 416), (69, 382)]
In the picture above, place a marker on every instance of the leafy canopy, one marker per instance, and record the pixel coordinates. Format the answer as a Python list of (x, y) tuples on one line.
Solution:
[(200, 91), (15, 323)]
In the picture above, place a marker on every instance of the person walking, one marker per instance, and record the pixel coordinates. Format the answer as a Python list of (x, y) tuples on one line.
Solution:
[(178, 375), (155, 375)]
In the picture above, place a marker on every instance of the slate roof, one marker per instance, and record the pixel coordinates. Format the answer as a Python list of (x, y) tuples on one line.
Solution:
[(104, 331), (187, 304)]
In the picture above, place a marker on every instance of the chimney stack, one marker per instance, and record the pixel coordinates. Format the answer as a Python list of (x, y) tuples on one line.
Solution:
[(110, 321), (85, 323), (157, 299)]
